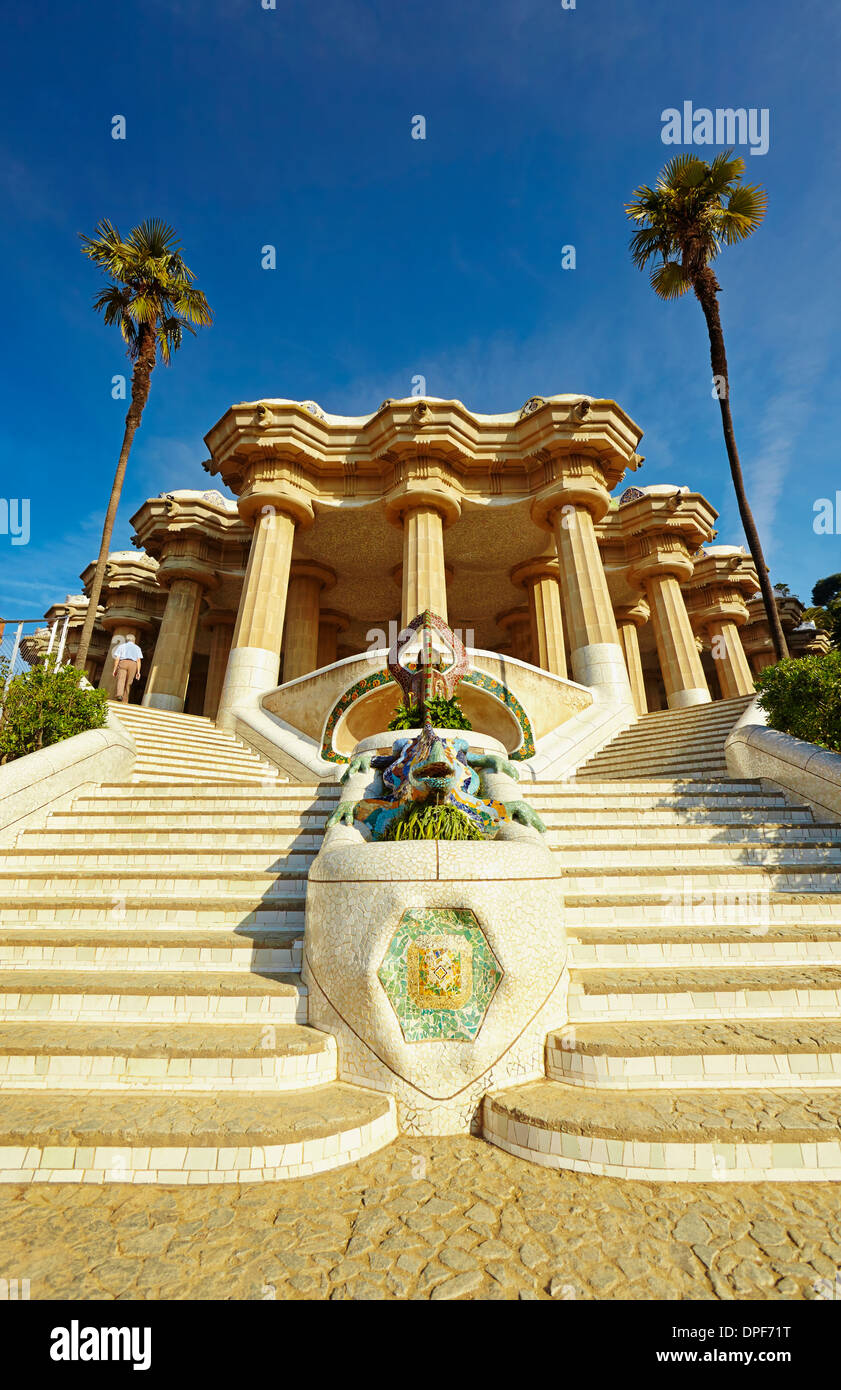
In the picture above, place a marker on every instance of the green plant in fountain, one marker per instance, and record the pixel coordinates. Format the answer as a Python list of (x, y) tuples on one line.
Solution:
[(426, 822), (45, 705), (443, 713), (802, 697)]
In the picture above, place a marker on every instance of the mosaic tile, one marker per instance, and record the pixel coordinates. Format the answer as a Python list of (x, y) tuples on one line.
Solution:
[(439, 974)]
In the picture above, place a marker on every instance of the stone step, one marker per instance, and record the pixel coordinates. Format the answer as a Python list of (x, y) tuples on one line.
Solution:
[(646, 856), (722, 877), (148, 715), (703, 948), (690, 787), (653, 769), (78, 1137), (697, 992), (283, 793), (645, 836), (140, 948), (648, 818), (66, 996), (177, 753), (126, 819), (135, 845), (58, 882), (754, 905), (185, 774), (784, 1135), (180, 1056), (167, 910), (689, 1055)]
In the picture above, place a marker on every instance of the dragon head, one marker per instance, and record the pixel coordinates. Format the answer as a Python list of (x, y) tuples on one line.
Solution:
[(429, 768)]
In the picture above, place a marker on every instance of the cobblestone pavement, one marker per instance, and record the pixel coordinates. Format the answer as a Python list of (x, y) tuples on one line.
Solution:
[(425, 1218)]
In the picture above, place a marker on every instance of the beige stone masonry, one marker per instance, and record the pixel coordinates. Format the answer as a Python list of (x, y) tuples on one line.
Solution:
[(629, 620), (540, 579), (301, 631)]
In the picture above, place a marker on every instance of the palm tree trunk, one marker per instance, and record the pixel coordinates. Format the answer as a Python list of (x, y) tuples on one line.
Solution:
[(706, 289), (140, 383)]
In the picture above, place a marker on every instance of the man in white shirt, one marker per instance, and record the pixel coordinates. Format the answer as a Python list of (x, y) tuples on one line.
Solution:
[(127, 659)]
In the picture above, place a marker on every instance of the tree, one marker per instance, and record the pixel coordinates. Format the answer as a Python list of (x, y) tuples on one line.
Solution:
[(826, 613), (152, 299), (695, 210)]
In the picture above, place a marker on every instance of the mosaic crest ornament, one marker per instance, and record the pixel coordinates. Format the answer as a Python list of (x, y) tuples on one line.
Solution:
[(429, 679), (440, 974)]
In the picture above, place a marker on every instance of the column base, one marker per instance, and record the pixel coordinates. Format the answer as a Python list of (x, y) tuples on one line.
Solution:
[(601, 664), (155, 699), (251, 672), (680, 699)]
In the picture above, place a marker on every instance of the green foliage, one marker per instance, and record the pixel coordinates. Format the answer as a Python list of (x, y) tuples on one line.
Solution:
[(46, 704), (696, 208), (826, 590), (443, 714), (426, 822), (803, 698), (150, 284)]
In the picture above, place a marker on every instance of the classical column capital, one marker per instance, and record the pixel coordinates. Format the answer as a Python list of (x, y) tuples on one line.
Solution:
[(218, 617), (531, 571), (186, 566), (312, 569), (723, 581), (272, 498), (331, 617), (637, 613), (579, 483), (418, 495)]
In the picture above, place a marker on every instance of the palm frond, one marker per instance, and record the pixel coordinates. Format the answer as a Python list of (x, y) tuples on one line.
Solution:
[(669, 280)]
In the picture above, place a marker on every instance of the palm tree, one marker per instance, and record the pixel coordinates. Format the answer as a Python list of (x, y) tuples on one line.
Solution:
[(152, 298), (683, 223)]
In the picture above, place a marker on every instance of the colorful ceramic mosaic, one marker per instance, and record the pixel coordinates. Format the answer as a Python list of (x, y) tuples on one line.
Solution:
[(439, 974), (376, 679), (427, 769)]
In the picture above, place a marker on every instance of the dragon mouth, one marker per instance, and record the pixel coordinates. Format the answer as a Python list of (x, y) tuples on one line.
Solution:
[(434, 770)]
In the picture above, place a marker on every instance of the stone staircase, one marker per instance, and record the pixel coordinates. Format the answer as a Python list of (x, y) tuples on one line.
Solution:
[(704, 1034), (190, 749), (152, 1015), (671, 743), (153, 1024)]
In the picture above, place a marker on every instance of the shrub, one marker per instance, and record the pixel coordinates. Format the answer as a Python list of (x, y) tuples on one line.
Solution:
[(432, 822), (803, 697), (443, 714), (46, 704)]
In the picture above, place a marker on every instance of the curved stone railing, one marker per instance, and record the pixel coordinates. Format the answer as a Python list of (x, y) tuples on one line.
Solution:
[(798, 767), (32, 786)]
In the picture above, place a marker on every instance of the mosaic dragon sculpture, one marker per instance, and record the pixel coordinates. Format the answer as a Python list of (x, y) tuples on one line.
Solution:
[(430, 767)]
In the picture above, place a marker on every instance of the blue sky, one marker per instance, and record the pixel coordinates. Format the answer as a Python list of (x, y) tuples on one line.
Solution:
[(399, 257)]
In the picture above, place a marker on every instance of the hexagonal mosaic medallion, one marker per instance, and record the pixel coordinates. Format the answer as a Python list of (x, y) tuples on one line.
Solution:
[(439, 973)]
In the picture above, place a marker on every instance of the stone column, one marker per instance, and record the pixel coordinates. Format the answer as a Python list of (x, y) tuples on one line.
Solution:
[(424, 576), (629, 619), (221, 624), (734, 673), (516, 622), (170, 671), (568, 509), (716, 598), (254, 662), (300, 635), (680, 663), (540, 579), (330, 624), (423, 511)]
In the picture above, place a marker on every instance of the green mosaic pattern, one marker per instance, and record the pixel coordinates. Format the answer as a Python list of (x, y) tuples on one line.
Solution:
[(378, 678), (440, 974)]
